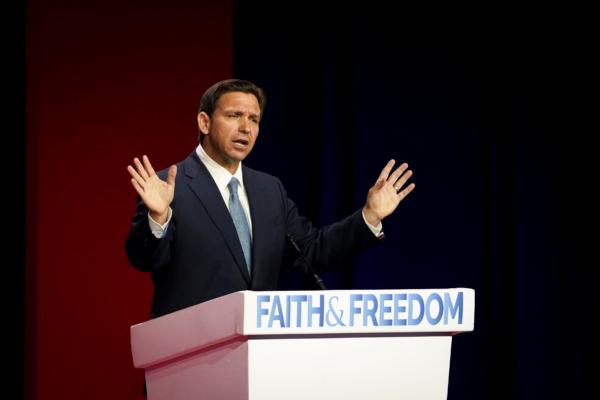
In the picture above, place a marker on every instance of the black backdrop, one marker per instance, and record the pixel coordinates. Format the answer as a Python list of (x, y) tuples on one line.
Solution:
[(488, 110)]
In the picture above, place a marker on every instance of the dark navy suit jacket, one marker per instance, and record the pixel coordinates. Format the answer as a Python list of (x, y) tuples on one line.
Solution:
[(200, 256)]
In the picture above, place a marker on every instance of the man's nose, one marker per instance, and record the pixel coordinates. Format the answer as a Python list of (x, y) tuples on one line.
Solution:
[(244, 125)]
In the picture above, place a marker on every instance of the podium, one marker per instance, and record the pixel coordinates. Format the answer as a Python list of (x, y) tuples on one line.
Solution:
[(350, 344)]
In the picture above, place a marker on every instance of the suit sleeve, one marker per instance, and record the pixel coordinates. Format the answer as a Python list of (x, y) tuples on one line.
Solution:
[(331, 244), (144, 251)]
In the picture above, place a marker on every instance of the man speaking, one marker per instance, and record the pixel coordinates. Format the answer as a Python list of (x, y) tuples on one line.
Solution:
[(209, 226)]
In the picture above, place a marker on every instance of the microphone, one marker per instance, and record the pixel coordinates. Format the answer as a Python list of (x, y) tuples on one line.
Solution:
[(318, 279)]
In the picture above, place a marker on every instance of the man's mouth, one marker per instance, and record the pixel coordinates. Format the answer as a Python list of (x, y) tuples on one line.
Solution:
[(242, 142)]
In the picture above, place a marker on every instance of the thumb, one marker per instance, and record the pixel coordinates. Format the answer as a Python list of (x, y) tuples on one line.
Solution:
[(171, 175)]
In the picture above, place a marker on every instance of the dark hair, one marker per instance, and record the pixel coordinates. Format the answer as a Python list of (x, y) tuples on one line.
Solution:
[(212, 95)]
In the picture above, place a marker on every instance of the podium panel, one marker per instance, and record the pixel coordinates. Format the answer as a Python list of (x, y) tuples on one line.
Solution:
[(350, 368), (381, 344)]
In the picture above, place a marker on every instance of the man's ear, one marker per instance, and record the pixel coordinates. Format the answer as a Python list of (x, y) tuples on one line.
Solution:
[(203, 122)]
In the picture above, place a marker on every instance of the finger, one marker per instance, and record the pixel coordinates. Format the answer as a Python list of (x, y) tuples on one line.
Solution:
[(406, 191), (171, 175), (396, 174), (140, 168), (135, 175), (147, 165), (385, 172), (137, 187), (402, 180)]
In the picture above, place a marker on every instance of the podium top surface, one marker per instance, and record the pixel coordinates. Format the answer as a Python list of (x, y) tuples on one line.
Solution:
[(282, 313)]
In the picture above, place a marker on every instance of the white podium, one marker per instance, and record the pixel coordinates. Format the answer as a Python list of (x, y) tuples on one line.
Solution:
[(354, 344)]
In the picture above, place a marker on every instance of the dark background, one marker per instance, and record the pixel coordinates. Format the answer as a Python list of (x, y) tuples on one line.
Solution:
[(490, 107)]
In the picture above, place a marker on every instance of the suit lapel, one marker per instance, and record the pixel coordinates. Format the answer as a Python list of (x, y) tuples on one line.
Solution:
[(205, 188), (259, 214)]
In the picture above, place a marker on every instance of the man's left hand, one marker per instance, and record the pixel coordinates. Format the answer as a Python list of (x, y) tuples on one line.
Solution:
[(387, 192)]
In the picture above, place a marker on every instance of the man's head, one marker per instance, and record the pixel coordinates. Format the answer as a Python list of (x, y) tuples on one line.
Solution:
[(228, 120)]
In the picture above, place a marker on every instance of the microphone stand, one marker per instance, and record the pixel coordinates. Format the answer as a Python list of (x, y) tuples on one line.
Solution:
[(309, 269)]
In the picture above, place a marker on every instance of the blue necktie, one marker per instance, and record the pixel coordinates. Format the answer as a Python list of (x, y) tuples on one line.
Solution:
[(240, 221)]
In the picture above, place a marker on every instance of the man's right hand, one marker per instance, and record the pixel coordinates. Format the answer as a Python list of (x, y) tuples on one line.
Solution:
[(156, 194)]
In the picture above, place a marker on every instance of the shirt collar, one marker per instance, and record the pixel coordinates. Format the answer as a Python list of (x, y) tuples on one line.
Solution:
[(220, 175)]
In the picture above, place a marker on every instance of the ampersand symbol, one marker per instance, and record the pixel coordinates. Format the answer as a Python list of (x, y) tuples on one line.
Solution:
[(332, 314)]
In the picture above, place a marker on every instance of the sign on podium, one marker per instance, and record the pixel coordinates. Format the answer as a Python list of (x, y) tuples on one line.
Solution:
[(334, 344)]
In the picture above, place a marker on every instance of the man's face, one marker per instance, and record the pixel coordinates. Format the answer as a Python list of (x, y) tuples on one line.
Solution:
[(232, 130)]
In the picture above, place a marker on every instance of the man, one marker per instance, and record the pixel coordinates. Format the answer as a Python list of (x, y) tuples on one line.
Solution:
[(210, 226)]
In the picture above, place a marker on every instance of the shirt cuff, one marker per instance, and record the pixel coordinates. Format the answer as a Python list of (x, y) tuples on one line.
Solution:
[(159, 230), (377, 230)]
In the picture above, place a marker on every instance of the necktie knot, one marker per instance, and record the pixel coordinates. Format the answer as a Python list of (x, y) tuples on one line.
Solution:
[(233, 186)]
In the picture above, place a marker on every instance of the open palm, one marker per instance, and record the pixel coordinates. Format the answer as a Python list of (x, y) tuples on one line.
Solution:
[(387, 192), (156, 194)]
